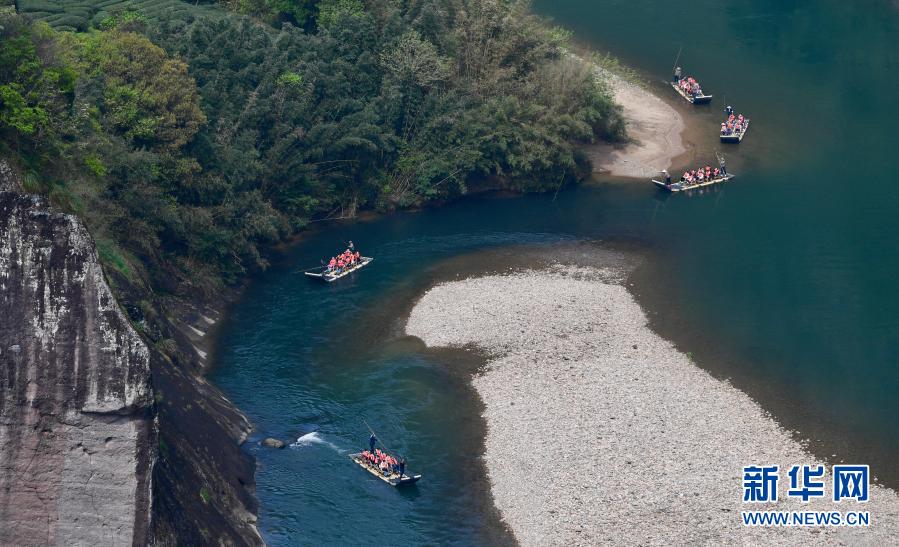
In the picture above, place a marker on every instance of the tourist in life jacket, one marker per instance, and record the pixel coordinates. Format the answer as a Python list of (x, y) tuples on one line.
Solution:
[(370, 458), (690, 86), (332, 264), (733, 124)]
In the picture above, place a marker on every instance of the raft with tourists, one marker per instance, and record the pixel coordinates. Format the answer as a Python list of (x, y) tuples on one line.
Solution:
[(688, 87), (695, 178), (340, 266), (394, 478), (383, 464), (734, 126)]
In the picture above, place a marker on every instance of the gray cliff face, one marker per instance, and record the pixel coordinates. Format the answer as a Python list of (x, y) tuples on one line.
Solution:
[(77, 441), (105, 439)]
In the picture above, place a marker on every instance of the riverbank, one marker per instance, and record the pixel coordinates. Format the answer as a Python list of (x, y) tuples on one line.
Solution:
[(600, 431), (653, 126)]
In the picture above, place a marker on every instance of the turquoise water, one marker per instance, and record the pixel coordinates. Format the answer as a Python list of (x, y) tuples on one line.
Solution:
[(783, 281)]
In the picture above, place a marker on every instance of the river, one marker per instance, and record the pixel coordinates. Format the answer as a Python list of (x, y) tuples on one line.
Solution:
[(783, 281)]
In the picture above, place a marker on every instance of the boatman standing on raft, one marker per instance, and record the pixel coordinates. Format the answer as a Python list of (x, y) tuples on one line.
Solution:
[(371, 443), (677, 74)]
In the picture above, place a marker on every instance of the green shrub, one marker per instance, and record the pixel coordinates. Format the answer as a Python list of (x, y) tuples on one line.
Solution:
[(31, 183), (111, 256), (290, 79), (96, 166)]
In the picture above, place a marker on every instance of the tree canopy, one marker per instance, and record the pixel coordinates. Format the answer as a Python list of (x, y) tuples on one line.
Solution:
[(189, 145)]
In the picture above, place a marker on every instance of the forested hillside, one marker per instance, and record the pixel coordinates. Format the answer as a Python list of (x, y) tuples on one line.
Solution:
[(188, 136)]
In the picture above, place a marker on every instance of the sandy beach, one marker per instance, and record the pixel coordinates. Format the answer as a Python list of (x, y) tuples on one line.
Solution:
[(601, 432), (653, 125)]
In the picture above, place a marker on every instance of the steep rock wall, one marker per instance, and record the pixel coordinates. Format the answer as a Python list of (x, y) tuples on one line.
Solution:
[(105, 439), (76, 429)]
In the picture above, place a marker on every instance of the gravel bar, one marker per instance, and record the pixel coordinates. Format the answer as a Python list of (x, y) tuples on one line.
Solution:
[(601, 432)]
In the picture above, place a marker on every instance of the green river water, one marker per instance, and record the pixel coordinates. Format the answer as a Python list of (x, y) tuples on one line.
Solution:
[(784, 281)]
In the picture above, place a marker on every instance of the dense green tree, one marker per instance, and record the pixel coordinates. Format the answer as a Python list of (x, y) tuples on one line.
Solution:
[(35, 89), (147, 96)]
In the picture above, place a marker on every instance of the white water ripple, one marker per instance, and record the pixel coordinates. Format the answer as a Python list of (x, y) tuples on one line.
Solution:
[(314, 438)]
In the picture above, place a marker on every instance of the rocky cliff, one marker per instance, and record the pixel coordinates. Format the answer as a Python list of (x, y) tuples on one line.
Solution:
[(109, 435), (75, 424)]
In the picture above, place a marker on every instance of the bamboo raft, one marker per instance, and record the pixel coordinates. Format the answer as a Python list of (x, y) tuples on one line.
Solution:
[(682, 186), (698, 99), (736, 137), (322, 273), (394, 479)]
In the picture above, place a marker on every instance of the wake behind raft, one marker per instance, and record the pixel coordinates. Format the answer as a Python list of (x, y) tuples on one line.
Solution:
[(384, 466)]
